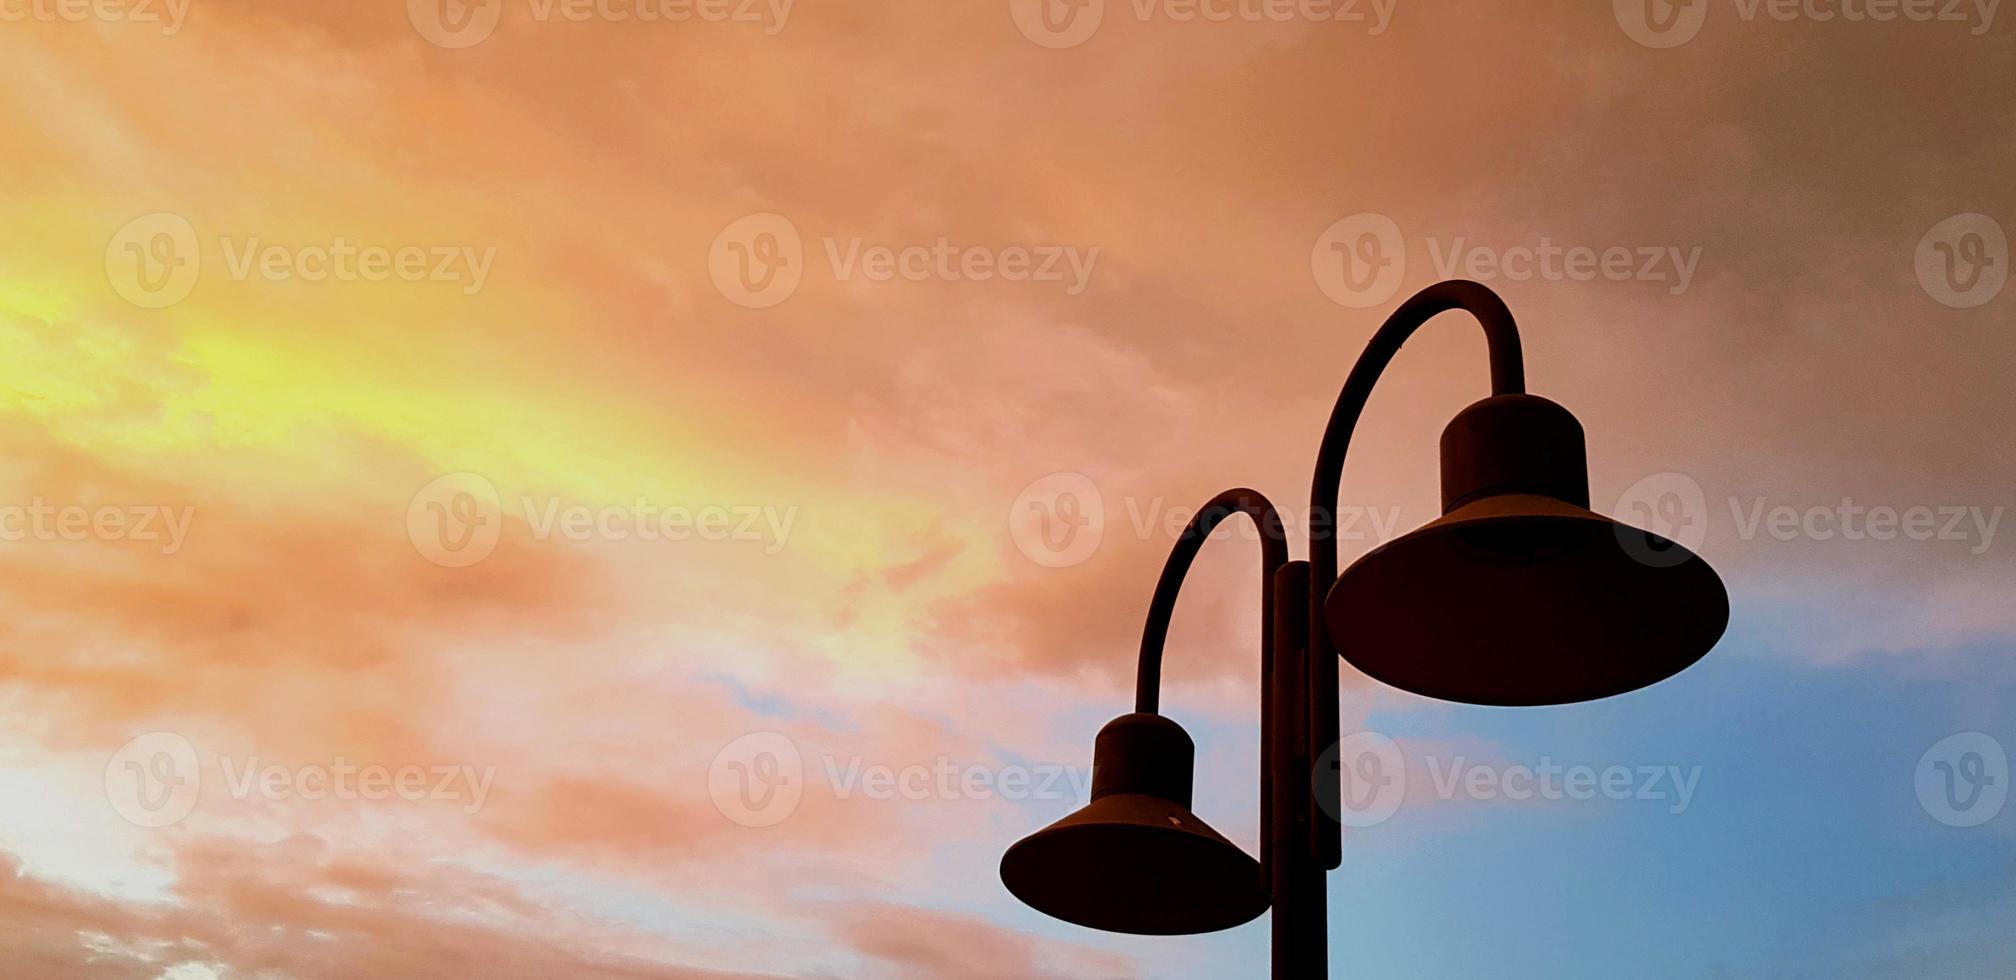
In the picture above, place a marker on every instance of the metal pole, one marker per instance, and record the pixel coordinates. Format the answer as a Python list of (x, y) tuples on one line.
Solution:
[(1301, 945)]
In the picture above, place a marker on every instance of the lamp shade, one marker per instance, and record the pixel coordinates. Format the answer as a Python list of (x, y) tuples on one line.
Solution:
[(1519, 594), (1135, 859)]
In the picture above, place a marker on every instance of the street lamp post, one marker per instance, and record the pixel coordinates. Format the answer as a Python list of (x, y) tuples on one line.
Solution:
[(1517, 595)]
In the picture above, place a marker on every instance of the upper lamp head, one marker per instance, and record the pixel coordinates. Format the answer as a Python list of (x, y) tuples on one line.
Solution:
[(1519, 594), (1136, 859)]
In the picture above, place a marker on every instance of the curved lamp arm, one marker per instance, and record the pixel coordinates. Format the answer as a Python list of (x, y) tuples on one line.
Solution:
[(1508, 377), (1273, 554), (1148, 679)]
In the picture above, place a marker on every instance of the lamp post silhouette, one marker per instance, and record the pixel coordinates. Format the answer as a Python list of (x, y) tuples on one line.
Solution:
[(1517, 595)]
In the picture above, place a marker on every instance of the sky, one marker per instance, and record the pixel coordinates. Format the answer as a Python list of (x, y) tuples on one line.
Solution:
[(669, 488)]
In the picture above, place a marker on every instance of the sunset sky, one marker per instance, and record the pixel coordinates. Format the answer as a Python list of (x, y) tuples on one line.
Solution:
[(557, 489)]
